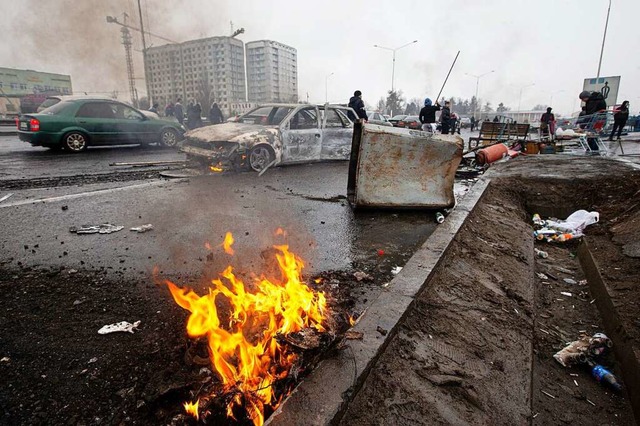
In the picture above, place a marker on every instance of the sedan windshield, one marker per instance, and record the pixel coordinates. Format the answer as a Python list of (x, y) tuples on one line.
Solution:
[(266, 115)]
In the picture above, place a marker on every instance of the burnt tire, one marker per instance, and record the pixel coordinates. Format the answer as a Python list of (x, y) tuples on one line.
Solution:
[(169, 138), (260, 157), (75, 142)]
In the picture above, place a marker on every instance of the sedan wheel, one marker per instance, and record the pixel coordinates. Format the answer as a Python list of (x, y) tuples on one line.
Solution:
[(260, 157), (75, 142), (169, 137)]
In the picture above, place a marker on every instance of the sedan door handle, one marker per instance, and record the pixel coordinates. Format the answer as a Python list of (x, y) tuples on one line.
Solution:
[(82, 121)]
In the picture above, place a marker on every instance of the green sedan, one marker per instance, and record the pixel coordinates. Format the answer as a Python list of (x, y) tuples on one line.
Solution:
[(74, 125)]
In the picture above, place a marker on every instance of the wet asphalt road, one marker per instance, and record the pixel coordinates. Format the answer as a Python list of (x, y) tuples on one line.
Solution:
[(307, 201)]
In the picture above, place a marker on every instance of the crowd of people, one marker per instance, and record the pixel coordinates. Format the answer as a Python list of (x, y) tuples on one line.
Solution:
[(192, 117)]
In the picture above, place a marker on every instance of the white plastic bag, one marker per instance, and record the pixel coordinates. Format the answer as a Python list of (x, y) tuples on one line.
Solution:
[(576, 222)]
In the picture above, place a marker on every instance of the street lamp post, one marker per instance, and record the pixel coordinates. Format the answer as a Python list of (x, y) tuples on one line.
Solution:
[(393, 68), (520, 97), (478, 77), (553, 93), (604, 36), (326, 88)]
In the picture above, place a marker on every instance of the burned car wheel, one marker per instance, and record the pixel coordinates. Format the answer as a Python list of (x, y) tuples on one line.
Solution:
[(169, 137), (75, 141), (260, 157)]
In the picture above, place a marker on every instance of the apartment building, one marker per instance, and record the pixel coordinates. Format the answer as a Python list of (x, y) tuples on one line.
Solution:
[(205, 70), (272, 72)]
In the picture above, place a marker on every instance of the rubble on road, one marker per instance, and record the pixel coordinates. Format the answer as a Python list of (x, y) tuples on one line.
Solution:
[(105, 228), (556, 230), (122, 326), (143, 228)]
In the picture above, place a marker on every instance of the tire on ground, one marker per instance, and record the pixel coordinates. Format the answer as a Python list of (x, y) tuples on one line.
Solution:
[(75, 141), (260, 157)]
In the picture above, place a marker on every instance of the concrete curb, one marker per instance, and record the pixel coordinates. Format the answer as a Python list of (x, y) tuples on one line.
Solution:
[(322, 398)]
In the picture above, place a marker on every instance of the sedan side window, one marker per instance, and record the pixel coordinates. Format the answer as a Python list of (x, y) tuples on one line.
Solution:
[(126, 113), (95, 110), (304, 119), (333, 119)]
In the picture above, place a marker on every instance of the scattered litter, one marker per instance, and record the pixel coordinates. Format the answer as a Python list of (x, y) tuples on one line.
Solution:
[(604, 376), (549, 395), (6, 197), (396, 270), (574, 375), (553, 277), (64, 208), (576, 383), (589, 401), (72, 271), (92, 360), (380, 252), (5, 359), (551, 230), (535, 415), (439, 217), (580, 350), (542, 276), (362, 276), (353, 335), (382, 330), (105, 228), (119, 326), (541, 254), (545, 331), (582, 282), (591, 303), (570, 281), (143, 228), (566, 293)]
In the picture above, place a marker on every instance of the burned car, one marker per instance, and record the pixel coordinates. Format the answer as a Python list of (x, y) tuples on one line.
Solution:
[(274, 134)]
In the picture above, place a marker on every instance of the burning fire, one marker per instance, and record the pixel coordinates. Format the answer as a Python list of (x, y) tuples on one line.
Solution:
[(241, 336), (216, 168), (192, 408)]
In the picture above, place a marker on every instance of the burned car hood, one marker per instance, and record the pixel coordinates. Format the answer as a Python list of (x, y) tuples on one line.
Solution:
[(246, 134)]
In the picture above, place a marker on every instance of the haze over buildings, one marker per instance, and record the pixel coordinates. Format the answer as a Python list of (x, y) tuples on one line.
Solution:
[(272, 72)]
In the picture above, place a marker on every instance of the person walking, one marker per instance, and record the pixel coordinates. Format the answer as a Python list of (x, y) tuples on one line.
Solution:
[(197, 115), (547, 122), (445, 118), (154, 108), (428, 115), (215, 114), (357, 104), (178, 112), (168, 110), (473, 123), (620, 119)]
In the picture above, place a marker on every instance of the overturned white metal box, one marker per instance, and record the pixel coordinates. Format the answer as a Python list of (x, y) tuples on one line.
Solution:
[(399, 168)]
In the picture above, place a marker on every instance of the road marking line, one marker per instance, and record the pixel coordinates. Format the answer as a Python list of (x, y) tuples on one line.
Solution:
[(88, 193)]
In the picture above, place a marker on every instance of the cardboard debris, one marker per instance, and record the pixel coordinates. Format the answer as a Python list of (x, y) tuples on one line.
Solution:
[(123, 326)]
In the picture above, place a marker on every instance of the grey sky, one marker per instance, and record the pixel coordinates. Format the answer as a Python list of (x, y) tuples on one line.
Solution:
[(554, 44)]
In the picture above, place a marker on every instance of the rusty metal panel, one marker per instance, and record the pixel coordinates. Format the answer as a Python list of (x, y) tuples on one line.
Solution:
[(399, 168)]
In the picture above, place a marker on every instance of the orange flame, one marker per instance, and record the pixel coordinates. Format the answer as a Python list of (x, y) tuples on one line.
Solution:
[(241, 343), (192, 408), (228, 242), (216, 168)]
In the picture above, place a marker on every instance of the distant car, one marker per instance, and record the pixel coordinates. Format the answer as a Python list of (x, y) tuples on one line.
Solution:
[(75, 124), (410, 122), (275, 134), (396, 118), (465, 122), (377, 118)]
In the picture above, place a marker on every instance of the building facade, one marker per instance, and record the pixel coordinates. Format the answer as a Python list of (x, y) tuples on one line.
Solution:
[(205, 70), (24, 90), (272, 72)]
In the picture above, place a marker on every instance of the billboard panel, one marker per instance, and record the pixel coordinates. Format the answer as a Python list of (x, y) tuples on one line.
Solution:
[(608, 86)]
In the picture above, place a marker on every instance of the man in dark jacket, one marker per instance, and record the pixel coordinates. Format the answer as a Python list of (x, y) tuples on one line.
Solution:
[(178, 111), (215, 115), (546, 122), (428, 114), (594, 102), (445, 118), (620, 119), (357, 104)]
